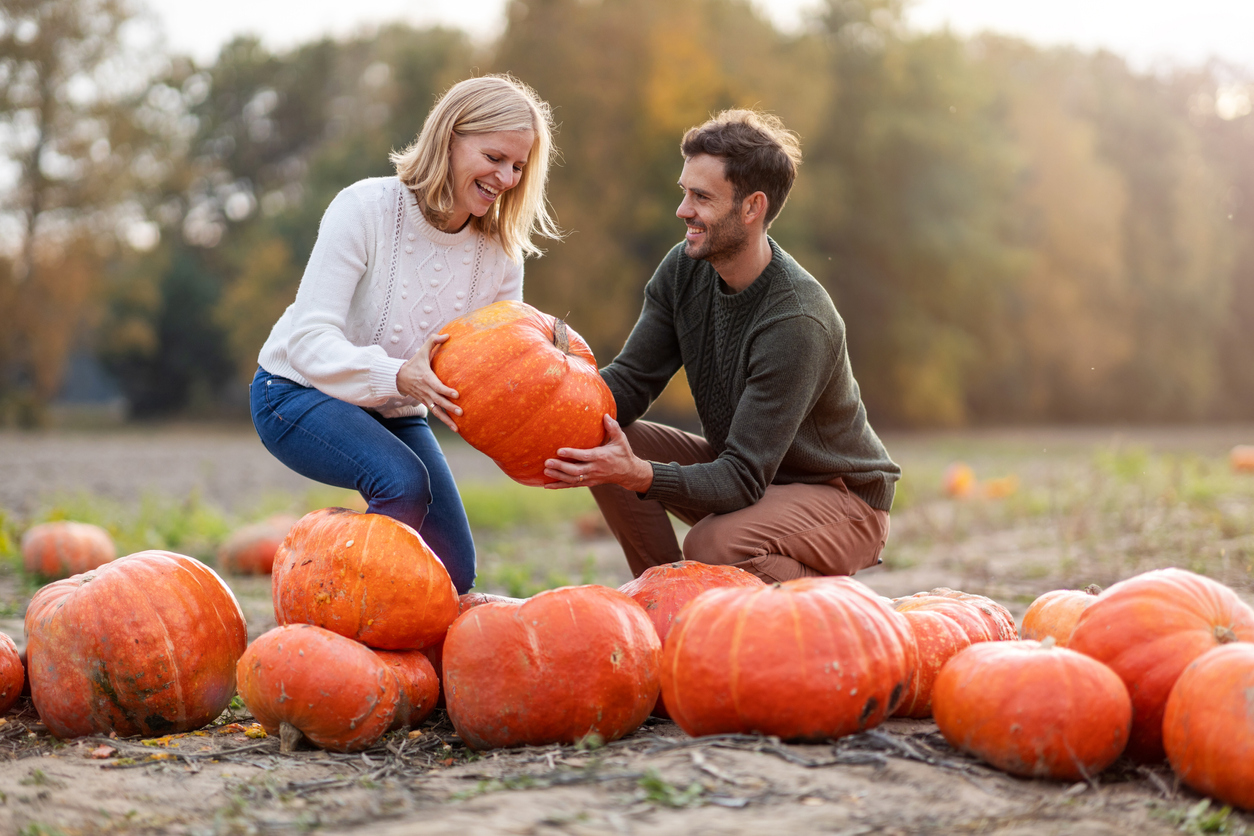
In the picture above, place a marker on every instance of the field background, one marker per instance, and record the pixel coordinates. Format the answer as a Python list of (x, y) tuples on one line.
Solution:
[(1082, 505)]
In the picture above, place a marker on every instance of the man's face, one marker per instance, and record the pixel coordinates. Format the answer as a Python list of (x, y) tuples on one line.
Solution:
[(715, 231)]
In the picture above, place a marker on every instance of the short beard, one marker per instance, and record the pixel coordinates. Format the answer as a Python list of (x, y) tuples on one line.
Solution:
[(724, 239)]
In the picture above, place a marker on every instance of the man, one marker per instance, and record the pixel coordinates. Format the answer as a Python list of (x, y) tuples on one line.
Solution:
[(790, 480)]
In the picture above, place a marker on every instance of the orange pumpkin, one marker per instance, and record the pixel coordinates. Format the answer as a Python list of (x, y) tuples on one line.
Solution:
[(567, 663), (996, 618), (1208, 724), (146, 644), (664, 590), (12, 673), (1242, 458), (1148, 629), (61, 549), (1032, 709), (435, 652), (808, 659), (364, 576), (300, 679), (938, 639), (1056, 612), (250, 550), (420, 688), (959, 480), (527, 385)]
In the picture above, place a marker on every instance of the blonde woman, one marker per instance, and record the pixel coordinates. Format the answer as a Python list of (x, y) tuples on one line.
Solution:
[(345, 391)]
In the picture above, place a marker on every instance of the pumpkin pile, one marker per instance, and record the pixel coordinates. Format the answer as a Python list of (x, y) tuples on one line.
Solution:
[(357, 597)]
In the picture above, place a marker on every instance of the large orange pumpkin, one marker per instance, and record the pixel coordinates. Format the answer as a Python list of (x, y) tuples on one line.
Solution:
[(664, 590), (562, 665), (1032, 709), (301, 679), (146, 644), (808, 659), (1056, 612), (250, 550), (64, 548), (527, 385), (1148, 629), (938, 639), (12, 673), (364, 576), (1208, 725), (420, 687)]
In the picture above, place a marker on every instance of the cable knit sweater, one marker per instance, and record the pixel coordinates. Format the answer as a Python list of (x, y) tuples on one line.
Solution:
[(770, 375), (379, 282)]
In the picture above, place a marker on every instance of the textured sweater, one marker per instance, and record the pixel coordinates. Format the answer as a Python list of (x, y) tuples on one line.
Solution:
[(770, 374), (379, 282)]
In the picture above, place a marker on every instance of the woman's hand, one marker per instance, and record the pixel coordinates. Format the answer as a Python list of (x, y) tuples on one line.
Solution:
[(416, 380), (612, 463)]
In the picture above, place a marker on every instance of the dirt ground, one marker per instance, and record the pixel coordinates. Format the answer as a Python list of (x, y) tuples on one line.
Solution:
[(901, 778)]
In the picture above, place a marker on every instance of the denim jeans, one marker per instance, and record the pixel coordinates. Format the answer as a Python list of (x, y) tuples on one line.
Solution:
[(395, 463)]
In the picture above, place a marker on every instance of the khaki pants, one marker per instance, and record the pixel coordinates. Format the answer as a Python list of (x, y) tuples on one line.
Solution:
[(793, 531)]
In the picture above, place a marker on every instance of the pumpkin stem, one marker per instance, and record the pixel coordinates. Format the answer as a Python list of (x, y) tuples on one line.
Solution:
[(1224, 635), (1093, 589), (560, 338), (289, 737)]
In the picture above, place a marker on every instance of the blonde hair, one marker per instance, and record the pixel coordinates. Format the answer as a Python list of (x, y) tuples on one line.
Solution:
[(481, 105)]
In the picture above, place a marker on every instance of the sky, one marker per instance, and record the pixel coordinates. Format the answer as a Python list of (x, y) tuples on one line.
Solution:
[(1149, 33)]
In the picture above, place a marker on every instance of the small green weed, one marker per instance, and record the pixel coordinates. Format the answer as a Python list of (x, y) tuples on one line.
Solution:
[(1200, 818), (655, 788)]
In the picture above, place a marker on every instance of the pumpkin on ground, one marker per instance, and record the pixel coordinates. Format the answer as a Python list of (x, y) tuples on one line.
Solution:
[(299, 679), (1056, 612), (12, 673), (146, 644), (982, 618), (250, 550), (938, 639), (959, 480), (1242, 458), (420, 687), (808, 659), (64, 548), (1148, 629), (1208, 724), (364, 576), (555, 668), (527, 385), (664, 590), (1033, 709)]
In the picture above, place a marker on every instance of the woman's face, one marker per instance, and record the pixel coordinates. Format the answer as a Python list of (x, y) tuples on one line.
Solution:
[(485, 166)]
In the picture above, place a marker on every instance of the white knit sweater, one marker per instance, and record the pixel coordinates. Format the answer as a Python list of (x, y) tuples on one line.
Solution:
[(379, 281)]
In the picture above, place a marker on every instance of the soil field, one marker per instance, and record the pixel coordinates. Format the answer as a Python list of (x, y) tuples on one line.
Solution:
[(1057, 508)]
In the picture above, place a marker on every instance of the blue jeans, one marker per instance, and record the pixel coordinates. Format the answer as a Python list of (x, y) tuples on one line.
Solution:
[(395, 463)]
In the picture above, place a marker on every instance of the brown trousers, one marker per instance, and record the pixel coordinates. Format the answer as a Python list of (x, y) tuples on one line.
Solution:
[(793, 531)]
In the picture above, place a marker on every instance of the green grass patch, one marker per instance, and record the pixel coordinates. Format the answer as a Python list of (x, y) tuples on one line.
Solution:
[(502, 505)]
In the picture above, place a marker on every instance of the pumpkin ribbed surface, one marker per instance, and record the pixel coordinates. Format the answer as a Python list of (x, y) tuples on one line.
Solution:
[(146, 644), (808, 659), (938, 638), (527, 385), (12, 673), (564, 664), (364, 576), (420, 687)]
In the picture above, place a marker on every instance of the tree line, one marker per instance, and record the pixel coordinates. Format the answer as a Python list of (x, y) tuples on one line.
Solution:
[(1011, 233)]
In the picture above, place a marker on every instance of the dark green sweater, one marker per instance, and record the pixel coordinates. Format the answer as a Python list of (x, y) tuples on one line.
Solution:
[(770, 375)]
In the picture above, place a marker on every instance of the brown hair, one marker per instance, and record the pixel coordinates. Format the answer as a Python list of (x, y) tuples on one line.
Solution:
[(759, 154), (476, 106)]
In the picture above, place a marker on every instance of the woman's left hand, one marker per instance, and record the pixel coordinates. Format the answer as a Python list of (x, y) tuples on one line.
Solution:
[(416, 380)]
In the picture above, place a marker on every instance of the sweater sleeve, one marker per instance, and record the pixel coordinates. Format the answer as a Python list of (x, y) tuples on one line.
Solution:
[(317, 347), (512, 285), (651, 355), (779, 393)]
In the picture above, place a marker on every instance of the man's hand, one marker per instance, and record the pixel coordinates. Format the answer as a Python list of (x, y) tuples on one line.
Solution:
[(416, 380), (612, 463)]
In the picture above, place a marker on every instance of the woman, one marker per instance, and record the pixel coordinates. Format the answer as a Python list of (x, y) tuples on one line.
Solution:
[(345, 388)]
